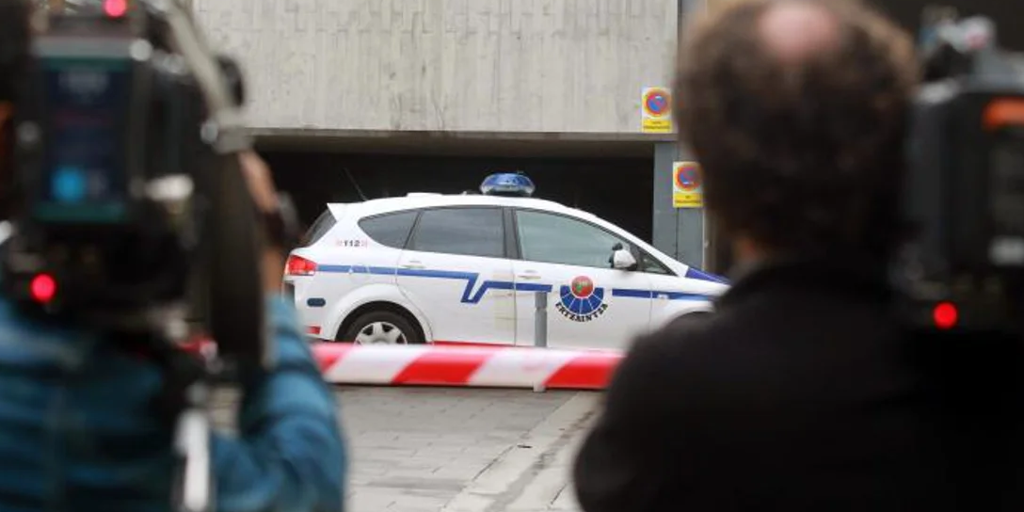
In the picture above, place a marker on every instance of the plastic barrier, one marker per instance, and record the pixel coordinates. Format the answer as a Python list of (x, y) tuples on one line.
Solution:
[(470, 366)]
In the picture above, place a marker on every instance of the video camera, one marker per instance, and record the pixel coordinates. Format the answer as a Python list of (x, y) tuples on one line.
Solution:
[(963, 269), (131, 213)]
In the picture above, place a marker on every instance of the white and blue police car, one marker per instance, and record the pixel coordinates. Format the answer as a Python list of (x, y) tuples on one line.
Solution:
[(433, 268)]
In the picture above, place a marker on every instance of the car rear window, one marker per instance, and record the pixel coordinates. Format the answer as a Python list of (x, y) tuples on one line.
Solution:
[(320, 227), (391, 229)]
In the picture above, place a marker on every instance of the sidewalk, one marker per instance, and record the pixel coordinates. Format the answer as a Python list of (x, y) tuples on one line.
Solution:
[(458, 449), (462, 450)]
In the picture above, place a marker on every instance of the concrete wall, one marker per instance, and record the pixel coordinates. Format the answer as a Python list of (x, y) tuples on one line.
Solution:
[(563, 66), (681, 232)]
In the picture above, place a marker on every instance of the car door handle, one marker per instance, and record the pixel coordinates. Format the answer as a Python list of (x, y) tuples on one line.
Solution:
[(529, 277), (414, 265)]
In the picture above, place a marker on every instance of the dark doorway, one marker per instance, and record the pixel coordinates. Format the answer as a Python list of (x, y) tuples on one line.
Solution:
[(619, 190)]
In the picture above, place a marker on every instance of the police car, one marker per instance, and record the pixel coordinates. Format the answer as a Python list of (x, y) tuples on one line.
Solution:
[(433, 268)]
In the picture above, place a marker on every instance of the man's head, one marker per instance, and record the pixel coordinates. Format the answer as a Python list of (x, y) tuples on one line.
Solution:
[(797, 110)]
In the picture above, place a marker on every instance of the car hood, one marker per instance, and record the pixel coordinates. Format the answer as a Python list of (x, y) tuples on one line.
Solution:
[(700, 281)]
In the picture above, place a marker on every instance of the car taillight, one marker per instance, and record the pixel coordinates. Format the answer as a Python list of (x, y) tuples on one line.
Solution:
[(299, 266)]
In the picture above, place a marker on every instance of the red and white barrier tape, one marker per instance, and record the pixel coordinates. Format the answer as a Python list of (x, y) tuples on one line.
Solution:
[(471, 366), (465, 366)]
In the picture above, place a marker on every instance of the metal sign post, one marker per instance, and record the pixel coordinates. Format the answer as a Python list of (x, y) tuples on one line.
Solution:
[(540, 328), (540, 319)]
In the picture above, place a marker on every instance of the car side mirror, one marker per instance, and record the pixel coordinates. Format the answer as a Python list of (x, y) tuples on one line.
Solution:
[(622, 259)]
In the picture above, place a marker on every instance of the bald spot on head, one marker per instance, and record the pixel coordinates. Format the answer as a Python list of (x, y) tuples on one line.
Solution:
[(795, 31)]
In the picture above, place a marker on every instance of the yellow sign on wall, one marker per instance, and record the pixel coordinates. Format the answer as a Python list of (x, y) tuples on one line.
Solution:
[(687, 185), (656, 110)]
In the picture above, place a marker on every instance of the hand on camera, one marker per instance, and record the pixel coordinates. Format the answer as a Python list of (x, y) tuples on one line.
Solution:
[(264, 194)]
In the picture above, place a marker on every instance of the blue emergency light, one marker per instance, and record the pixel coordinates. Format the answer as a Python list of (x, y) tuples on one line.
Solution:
[(508, 184)]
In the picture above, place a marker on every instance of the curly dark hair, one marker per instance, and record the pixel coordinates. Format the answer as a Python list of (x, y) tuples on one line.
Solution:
[(802, 157)]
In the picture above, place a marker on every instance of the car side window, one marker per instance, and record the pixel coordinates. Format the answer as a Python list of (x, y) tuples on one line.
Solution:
[(465, 231), (550, 238), (649, 265), (391, 229)]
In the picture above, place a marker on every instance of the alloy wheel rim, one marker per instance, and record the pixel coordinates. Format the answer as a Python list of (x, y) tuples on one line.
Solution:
[(381, 333)]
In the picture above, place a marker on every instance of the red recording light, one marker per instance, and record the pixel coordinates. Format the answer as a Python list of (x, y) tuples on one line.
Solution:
[(43, 288), (115, 8), (945, 315), (299, 266)]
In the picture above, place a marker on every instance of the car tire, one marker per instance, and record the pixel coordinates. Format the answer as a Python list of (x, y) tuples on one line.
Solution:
[(382, 328)]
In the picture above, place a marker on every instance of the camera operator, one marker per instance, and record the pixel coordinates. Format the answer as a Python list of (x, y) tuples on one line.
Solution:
[(78, 426), (802, 391)]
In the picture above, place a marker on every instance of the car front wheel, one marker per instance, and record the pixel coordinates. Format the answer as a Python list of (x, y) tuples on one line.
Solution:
[(382, 328)]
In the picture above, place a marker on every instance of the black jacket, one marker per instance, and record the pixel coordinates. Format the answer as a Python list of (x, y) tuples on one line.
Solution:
[(801, 393)]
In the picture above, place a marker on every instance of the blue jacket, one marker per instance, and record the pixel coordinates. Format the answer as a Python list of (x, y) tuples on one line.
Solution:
[(77, 431)]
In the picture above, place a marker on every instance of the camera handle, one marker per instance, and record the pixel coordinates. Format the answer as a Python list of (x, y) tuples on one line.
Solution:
[(195, 483), (184, 400)]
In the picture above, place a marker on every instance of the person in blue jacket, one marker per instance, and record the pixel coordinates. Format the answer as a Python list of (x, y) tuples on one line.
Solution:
[(77, 426)]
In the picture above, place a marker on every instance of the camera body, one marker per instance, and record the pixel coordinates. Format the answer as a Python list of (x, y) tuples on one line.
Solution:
[(130, 210), (104, 117), (963, 268)]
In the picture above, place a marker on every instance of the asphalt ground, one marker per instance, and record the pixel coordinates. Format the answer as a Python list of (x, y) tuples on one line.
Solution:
[(457, 449)]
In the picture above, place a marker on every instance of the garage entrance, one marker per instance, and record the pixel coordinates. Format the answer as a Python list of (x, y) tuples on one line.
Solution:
[(620, 190)]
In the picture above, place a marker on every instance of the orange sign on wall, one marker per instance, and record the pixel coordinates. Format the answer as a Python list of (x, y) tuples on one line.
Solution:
[(687, 189), (656, 110)]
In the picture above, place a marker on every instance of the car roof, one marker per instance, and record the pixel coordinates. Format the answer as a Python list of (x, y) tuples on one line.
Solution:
[(428, 200), (358, 210)]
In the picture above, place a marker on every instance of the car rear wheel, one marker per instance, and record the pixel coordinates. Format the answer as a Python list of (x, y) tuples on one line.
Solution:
[(382, 328)]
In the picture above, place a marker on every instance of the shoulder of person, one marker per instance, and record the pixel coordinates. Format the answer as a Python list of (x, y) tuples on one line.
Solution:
[(674, 352), (680, 337), (666, 376)]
